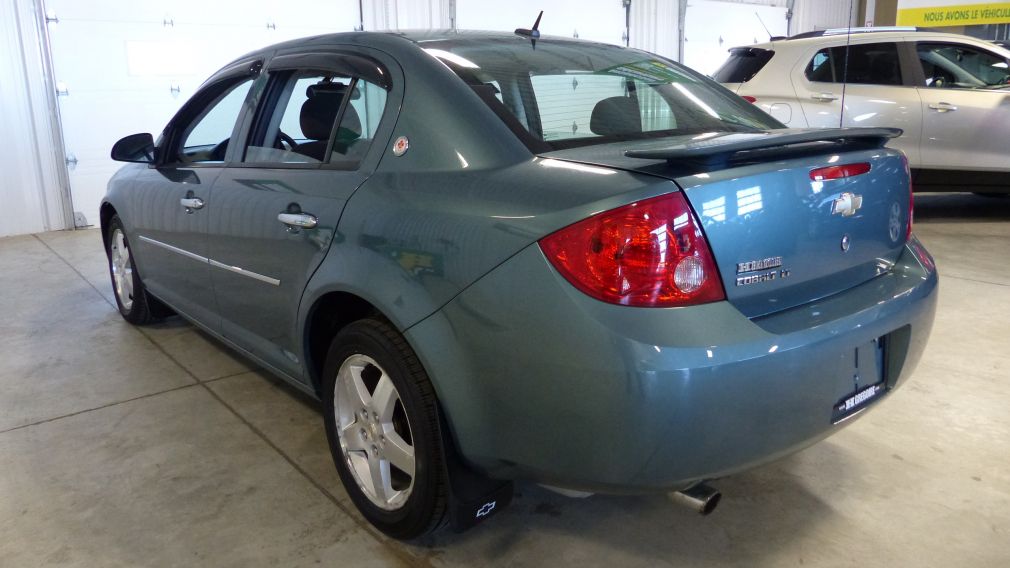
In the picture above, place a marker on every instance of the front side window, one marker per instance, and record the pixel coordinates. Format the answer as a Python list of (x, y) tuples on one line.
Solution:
[(866, 64), (562, 94), (304, 123), (950, 66), (207, 136)]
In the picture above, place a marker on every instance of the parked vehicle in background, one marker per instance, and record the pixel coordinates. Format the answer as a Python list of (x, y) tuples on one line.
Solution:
[(949, 93), (579, 265)]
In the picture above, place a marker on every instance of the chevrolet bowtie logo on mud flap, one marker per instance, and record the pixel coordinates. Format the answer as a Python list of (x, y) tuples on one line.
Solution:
[(486, 509)]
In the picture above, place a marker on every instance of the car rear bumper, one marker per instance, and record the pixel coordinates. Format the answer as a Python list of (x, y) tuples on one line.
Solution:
[(541, 382)]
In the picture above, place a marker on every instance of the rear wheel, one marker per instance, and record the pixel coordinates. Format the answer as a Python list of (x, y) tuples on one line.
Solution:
[(382, 426), (135, 304)]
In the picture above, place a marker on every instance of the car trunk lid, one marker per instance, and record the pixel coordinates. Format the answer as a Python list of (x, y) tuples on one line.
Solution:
[(779, 237)]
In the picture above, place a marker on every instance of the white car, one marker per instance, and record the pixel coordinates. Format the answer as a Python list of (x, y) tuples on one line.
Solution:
[(949, 93)]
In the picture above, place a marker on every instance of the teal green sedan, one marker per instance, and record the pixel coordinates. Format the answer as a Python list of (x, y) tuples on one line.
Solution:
[(498, 257)]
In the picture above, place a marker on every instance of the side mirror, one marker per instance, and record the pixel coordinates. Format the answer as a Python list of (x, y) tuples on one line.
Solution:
[(137, 148)]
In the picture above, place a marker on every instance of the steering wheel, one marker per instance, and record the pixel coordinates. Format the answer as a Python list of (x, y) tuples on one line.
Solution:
[(282, 139)]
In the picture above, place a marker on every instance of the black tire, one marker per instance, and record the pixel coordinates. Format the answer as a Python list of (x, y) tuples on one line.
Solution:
[(143, 308), (425, 507)]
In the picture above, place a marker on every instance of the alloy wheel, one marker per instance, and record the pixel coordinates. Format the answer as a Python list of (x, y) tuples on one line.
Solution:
[(122, 269), (374, 432)]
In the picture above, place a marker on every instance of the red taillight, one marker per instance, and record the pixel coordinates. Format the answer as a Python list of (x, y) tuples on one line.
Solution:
[(749, 98), (839, 172), (650, 253)]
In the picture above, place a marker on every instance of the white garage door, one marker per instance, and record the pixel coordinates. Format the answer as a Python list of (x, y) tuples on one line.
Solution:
[(712, 27), (596, 20), (128, 66)]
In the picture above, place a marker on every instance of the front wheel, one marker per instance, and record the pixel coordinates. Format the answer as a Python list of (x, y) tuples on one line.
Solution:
[(382, 426), (135, 304)]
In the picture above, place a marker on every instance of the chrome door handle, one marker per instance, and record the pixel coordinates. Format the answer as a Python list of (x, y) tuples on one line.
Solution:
[(942, 107), (298, 220), (191, 203), (824, 97)]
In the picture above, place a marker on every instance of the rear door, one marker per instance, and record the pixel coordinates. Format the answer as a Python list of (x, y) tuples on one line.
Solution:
[(170, 202), (965, 93), (316, 136), (879, 91)]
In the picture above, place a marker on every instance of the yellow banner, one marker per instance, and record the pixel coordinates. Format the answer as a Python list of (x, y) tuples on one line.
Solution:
[(956, 15)]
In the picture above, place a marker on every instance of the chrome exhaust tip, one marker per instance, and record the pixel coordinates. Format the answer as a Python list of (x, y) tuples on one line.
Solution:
[(699, 497)]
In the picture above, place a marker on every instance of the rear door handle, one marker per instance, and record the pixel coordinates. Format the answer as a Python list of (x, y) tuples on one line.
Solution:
[(298, 220), (824, 97), (191, 203), (942, 107)]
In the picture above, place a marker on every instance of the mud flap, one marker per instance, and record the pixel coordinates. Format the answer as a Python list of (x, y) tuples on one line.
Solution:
[(473, 497)]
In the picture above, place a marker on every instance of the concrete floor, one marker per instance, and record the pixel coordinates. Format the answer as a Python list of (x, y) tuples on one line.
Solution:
[(156, 446)]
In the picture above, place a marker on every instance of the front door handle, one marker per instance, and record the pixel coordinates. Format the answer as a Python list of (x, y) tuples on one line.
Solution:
[(298, 220), (824, 97), (942, 107), (191, 203)]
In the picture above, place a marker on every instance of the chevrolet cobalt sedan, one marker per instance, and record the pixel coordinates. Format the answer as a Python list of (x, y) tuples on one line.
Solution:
[(499, 257)]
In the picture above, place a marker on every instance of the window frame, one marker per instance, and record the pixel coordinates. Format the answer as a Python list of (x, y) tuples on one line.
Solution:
[(921, 73), (907, 63), (197, 107), (279, 72)]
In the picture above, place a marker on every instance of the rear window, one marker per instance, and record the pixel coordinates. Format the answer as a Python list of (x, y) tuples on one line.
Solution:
[(743, 64), (565, 94), (867, 64)]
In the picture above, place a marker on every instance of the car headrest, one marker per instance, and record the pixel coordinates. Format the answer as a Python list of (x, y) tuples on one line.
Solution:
[(616, 115), (319, 111)]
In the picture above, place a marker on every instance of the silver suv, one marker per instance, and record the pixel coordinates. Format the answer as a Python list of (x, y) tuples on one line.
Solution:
[(949, 93)]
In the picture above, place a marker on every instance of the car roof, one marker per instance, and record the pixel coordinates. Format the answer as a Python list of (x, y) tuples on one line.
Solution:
[(830, 37), (399, 39)]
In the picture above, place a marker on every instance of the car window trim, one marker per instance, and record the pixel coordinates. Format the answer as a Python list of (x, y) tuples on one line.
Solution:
[(905, 80), (233, 75), (278, 78), (922, 72), (347, 63)]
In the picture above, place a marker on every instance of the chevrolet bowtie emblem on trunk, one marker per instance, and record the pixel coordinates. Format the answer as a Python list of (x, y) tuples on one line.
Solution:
[(847, 204)]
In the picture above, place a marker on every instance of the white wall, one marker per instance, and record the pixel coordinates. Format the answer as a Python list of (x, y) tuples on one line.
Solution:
[(407, 14), (596, 20), (128, 66), (811, 15), (32, 192), (712, 27), (655, 27)]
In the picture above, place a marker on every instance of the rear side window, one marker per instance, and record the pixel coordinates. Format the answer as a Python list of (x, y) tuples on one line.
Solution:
[(743, 64), (317, 117), (867, 64)]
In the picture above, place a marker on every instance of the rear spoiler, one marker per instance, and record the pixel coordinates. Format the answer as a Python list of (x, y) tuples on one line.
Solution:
[(734, 147)]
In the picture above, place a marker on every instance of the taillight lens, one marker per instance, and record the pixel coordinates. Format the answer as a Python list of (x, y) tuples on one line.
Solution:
[(749, 98), (650, 254), (839, 172)]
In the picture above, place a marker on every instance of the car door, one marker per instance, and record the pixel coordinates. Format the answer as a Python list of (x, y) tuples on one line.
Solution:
[(170, 202), (862, 84), (314, 139), (965, 93)]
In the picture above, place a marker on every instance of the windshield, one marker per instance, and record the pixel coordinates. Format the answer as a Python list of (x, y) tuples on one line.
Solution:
[(565, 94)]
